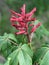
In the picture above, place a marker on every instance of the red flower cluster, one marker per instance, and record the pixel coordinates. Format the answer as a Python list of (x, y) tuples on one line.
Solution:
[(22, 21)]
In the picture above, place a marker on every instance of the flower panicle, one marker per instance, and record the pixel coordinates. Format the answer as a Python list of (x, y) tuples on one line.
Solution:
[(22, 20)]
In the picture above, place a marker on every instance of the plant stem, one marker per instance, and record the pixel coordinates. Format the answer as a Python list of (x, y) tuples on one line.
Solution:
[(27, 34), (28, 38)]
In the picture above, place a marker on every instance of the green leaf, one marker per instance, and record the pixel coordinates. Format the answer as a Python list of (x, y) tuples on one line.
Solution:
[(12, 37), (45, 60), (21, 56), (7, 62), (27, 49), (24, 58), (13, 56), (39, 54), (6, 39), (5, 43)]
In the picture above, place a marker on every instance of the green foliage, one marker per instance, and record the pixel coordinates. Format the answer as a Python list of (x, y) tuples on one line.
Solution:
[(45, 60), (7, 62), (13, 56), (5, 43), (25, 57), (22, 53), (39, 54), (27, 50), (21, 39)]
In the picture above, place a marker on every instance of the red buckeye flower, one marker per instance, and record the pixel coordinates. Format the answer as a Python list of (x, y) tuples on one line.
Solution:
[(23, 20)]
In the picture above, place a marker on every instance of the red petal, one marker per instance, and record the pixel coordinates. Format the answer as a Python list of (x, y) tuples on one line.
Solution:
[(31, 19), (22, 24), (12, 20), (21, 32), (16, 19), (23, 10), (18, 27), (38, 24), (31, 25), (13, 12), (31, 13), (20, 19), (13, 17), (35, 27)]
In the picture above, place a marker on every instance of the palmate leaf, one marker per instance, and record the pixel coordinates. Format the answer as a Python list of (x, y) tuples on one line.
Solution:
[(27, 49), (45, 60), (21, 56), (5, 43), (13, 56), (24, 58), (4, 40), (38, 56)]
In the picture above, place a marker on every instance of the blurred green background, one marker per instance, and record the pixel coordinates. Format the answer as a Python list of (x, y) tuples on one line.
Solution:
[(42, 12)]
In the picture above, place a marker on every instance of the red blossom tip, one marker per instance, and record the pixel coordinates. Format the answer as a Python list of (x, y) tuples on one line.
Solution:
[(12, 20), (34, 10), (35, 27), (31, 25), (13, 12), (20, 32), (13, 17), (31, 13), (33, 19), (23, 10), (38, 24)]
